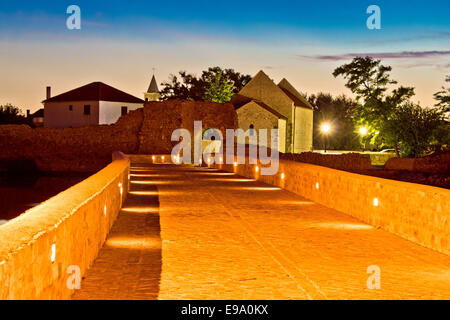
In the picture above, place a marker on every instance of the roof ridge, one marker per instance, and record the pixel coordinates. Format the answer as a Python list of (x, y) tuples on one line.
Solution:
[(95, 91)]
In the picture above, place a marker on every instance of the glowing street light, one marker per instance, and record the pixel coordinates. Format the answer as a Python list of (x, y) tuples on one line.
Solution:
[(363, 132), (325, 128)]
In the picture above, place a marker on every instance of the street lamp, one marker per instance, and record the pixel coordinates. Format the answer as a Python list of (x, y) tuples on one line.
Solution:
[(363, 132), (325, 129)]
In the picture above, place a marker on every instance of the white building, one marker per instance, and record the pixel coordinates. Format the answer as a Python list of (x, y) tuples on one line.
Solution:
[(93, 104)]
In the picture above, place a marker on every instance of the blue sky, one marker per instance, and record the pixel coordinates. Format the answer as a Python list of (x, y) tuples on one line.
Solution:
[(301, 40)]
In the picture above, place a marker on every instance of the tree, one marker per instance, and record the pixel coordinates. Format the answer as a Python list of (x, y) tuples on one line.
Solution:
[(190, 87), (10, 114), (220, 90), (339, 112), (368, 79), (443, 97), (415, 128)]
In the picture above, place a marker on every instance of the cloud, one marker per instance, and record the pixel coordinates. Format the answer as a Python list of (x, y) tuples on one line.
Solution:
[(381, 55)]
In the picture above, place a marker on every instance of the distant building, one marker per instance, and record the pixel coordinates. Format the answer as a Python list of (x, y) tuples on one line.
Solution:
[(152, 93), (262, 104), (92, 104), (36, 119)]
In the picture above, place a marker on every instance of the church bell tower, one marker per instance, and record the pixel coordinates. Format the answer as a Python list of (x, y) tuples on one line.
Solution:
[(152, 93)]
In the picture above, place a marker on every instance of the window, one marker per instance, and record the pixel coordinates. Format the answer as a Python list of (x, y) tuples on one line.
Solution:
[(87, 109), (70, 108), (124, 110), (252, 130)]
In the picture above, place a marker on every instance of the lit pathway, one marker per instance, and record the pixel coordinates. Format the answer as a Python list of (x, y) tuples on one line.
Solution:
[(226, 237)]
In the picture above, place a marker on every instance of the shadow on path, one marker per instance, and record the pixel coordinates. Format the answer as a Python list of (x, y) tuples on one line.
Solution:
[(129, 264)]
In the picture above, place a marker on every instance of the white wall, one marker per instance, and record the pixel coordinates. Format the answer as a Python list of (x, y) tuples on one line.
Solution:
[(282, 135), (110, 112), (303, 139), (58, 114)]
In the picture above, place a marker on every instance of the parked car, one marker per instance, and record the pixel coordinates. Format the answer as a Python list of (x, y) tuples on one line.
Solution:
[(390, 150)]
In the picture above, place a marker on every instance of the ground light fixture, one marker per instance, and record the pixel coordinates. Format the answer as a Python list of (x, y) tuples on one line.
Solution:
[(235, 164), (153, 158), (53, 256), (121, 188), (376, 202), (317, 185), (163, 158), (257, 169), (283, 176)]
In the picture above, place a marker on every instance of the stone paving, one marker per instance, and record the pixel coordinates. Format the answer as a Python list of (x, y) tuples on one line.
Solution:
[(195, 233)]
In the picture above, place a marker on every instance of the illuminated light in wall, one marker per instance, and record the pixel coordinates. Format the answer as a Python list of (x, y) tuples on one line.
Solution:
[(283, 176), (104, 210), (141, 210), (156, 182), (375, 202), (133, 242), (235, 164), (341, 226), (209, 160), (162, 158), (144, 193), (221, 160), (257, 188), (257, 169), (53, 257), (317, 185), (153, 158), (121, 188)]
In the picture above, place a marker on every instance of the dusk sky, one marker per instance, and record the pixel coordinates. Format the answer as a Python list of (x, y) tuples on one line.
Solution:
[(304, 41)]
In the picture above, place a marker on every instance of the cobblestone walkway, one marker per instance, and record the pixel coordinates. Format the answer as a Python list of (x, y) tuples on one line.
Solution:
[(189, 233)]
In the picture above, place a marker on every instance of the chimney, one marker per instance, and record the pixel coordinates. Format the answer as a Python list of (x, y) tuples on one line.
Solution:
[(49, 92)]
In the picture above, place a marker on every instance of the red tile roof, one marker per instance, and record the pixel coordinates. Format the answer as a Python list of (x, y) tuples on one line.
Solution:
[(95, 91)]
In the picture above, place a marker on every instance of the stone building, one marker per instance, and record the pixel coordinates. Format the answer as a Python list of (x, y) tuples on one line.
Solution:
[(92, 104), (262, 104)]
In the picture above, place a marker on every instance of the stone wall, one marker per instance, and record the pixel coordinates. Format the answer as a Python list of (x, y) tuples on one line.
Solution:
[(161, 119), (88, 149), (415, 212), (438, 163), (70, 227), (347, 161)]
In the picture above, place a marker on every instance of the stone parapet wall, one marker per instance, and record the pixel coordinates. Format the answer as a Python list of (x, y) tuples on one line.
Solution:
[(162, 119), (88, 149), (415, 212), (438, 163), (69, 228)]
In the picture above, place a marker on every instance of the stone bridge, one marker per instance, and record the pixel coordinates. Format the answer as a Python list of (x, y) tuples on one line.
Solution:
[(187, 232)]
